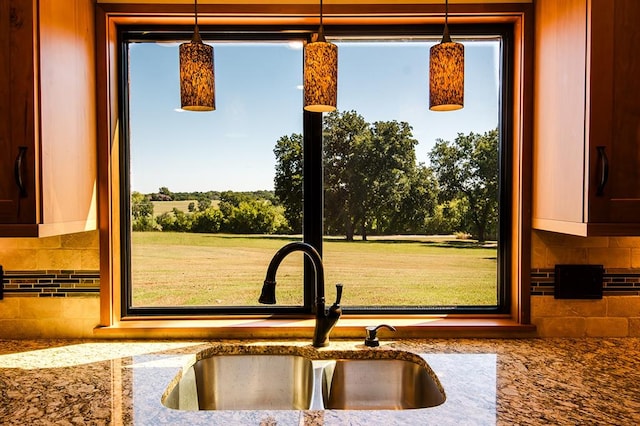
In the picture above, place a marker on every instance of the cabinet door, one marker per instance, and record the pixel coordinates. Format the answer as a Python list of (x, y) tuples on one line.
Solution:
[(615, 111), (559, 115), (17, 122), (7, 189)]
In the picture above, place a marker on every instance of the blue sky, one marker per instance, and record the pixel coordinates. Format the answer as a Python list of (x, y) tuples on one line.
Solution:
[(259, 99)]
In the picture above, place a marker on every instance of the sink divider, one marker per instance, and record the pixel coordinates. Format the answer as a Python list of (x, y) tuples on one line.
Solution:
[(322, 376)]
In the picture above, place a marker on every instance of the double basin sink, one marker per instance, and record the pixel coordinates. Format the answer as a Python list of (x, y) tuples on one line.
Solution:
[(297, 378)]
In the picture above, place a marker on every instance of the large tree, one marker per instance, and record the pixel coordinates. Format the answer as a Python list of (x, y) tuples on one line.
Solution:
[(416, 207), (371, 179), (288, 179), (468, 169), (346, 142), (391, 180)]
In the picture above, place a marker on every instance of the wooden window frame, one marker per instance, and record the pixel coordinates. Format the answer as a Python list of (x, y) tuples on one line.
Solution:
[(110, 16)]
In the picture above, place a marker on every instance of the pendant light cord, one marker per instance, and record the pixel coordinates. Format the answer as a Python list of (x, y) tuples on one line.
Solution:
[(321, 37), (446, 38), (196, 32), (446, 12)]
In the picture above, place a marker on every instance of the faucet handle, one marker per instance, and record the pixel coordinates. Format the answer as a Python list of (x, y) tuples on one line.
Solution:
[(335, 310), (371, 339), (338, 293)]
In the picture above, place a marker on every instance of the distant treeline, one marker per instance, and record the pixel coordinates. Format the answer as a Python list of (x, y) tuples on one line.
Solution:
[(252, 212), (164, 194)]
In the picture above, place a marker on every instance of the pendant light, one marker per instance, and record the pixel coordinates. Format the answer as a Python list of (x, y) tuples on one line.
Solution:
[(320, 73), (197, 85), (446, 72)]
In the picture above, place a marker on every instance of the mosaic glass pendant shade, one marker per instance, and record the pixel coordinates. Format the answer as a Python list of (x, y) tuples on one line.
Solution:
[(196, 77), (320, 76), (320, 73), (197, 84), (446, 72), (446, 76)]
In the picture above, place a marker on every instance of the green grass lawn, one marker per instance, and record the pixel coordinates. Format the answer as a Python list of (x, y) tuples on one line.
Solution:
[(219, 269)]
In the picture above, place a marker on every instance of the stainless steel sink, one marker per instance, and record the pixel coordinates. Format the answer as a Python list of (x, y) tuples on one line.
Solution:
[(379, 384), (295, 382), (245, 382)]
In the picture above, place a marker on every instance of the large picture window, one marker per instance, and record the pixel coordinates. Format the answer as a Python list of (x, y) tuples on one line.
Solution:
[(408, 207)]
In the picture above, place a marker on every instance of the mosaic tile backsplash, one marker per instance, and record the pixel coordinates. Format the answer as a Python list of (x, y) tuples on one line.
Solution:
[(51, 283), (69, 283), (614, 283)]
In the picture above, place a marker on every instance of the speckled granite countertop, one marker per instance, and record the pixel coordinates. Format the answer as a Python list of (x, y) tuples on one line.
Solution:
[(505, 382)]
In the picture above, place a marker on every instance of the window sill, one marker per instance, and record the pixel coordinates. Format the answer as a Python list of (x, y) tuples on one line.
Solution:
[(348, 328)]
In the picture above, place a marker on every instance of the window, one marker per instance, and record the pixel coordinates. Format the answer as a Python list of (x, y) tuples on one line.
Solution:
[(391, 187), (204, 217)]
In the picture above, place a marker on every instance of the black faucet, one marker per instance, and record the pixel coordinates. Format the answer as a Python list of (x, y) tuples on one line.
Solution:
[(325, 320)]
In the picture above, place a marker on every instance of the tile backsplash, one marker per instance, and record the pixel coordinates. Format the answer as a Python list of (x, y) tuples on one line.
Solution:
[(616, 314), (615, 282), (51, 286), (52, 283)]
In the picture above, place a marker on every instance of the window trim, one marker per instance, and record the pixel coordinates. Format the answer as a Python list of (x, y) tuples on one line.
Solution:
[(127, 34), (111, 16), (313, 207)]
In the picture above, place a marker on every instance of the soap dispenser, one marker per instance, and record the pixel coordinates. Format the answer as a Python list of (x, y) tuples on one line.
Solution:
[(371, 338)]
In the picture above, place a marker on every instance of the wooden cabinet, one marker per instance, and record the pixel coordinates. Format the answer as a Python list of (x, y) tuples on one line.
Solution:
[(47, 117), (587, 117)]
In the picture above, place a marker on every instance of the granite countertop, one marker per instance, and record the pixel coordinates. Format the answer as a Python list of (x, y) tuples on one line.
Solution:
[(487, 381)]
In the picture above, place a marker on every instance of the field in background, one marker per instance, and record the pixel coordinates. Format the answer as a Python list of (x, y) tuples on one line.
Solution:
[(160, 207), (183, 269)]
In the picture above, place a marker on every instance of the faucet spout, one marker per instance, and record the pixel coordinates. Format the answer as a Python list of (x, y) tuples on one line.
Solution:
[(325, 320)]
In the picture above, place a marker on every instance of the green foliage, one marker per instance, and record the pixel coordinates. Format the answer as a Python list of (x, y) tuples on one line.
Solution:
[(448, 218), (254, 217), (468, 169), (195, 195), (411, 213), (144, 223), (346, 142), (163, 194), (208, 221), (396, 194), (142, 212), (203, 204), (238, 213), (372, 182), (288, 178), (234, 199), (141, 205), (166, 221), (176, 221)]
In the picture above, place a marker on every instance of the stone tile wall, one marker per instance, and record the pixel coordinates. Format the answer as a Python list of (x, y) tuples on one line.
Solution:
[(79, 251), (51, 286)]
